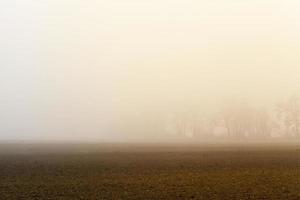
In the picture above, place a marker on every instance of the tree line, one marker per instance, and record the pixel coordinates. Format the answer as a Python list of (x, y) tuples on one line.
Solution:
[(239, 121)]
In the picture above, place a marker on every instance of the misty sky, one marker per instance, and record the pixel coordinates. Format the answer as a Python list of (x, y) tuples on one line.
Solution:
[(72, 69)]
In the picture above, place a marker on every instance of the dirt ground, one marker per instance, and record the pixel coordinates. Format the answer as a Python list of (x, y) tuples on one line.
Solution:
[(126, 171)]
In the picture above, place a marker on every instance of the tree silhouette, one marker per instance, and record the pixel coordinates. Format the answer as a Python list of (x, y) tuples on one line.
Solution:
[(289, 113)]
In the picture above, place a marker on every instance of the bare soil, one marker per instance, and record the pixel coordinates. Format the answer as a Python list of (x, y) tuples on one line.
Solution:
[(126, 171)]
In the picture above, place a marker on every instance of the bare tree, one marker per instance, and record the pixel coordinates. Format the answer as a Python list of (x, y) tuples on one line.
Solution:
[(261, 127), (289, 112), (235, 118), (242, 120)]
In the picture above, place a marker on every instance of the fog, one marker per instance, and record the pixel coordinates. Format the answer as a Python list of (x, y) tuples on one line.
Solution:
[(128, 70)]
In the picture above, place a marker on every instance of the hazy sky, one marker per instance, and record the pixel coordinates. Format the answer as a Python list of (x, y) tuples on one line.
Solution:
[(71, 69)]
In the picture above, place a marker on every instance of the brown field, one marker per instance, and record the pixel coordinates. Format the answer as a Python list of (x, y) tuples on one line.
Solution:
[(125, 171)]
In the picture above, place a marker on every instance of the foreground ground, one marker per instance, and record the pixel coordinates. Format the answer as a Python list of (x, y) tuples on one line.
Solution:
[(152, 172)]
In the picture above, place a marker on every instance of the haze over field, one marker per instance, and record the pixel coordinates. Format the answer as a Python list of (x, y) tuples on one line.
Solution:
[(139, 70)]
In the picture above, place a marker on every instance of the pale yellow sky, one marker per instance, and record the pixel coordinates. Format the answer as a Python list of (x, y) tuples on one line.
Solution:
[(95, 61), (168, 48)]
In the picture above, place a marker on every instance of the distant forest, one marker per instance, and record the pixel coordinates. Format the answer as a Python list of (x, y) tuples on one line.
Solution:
[(237, 121)]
